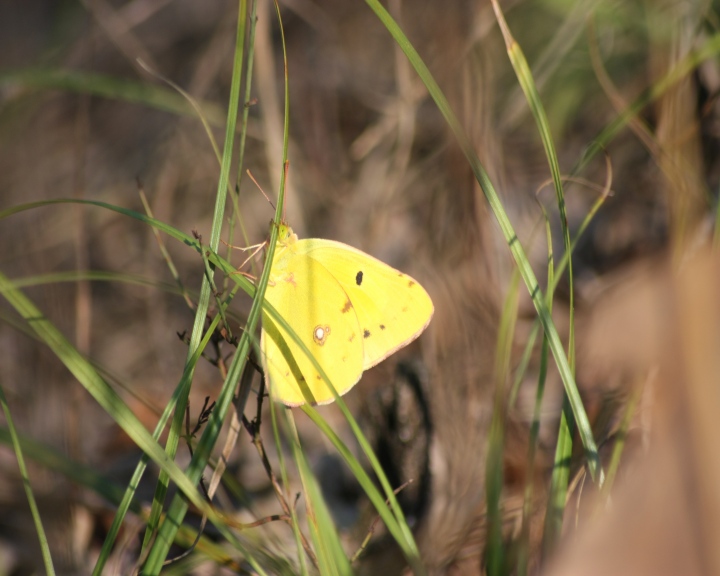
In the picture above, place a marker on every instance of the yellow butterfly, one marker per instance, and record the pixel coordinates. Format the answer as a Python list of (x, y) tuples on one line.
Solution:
[(349, 309)]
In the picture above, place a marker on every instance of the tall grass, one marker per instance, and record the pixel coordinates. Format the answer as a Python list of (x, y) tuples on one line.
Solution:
[(182, 486)]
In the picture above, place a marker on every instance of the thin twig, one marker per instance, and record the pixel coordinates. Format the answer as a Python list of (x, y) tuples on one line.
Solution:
[(374, 523)]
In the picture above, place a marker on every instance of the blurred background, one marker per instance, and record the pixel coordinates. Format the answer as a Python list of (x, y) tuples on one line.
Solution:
[(373, 164)]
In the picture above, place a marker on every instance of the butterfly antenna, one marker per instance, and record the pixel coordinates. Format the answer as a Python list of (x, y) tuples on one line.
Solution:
[(260, 188), (255, 249)]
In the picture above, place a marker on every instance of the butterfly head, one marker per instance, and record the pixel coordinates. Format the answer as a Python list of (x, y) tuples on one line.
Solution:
[(285, 234)]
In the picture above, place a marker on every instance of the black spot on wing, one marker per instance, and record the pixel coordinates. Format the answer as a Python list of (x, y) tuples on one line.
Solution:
[(366, 333), (382, 326), (359, 278)]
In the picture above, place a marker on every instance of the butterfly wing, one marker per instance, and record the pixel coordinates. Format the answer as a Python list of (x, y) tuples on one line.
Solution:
[(317, 308), (393, 309)]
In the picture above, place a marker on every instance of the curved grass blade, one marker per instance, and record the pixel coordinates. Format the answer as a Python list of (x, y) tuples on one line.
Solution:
[(508, 232), (707, 51), (17, 448), (330, 554), (494, 552), (110, 401), (109, 87), (179, 505)]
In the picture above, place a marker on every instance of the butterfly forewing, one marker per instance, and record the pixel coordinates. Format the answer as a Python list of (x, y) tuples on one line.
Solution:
[(392, 308)]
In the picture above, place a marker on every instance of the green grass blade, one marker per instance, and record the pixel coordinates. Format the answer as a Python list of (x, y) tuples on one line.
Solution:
[(707, 51), (395, 520), (17, 448), (276, 407), (330, 554), (86, 374), (243, 132), (397, 526), (524, 546), (109, 87), (559, 482), (553, 280), (509, 234), (527, 83), (106, 488), (179, 505), (108, 399), (621, 436), (178, 508), (178, 235), (494, 552), (552, 56), (155, 511)]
